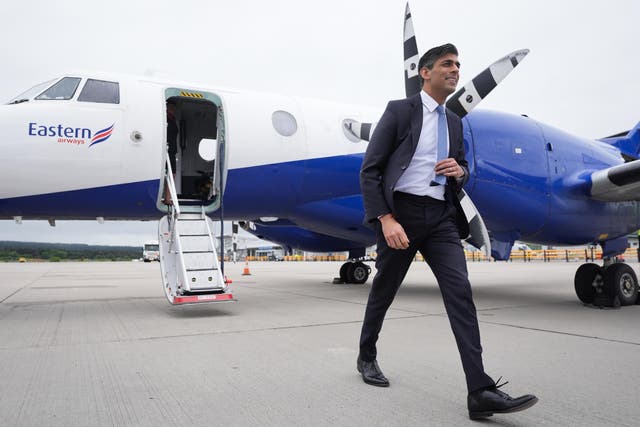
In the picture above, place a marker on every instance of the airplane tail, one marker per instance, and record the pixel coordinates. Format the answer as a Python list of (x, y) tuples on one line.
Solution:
[(627, 142)]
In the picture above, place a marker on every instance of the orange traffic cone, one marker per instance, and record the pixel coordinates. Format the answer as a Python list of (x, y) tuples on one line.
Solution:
[(246, 271)]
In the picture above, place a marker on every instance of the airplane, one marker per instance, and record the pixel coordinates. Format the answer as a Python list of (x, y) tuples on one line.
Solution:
[(92, 146)]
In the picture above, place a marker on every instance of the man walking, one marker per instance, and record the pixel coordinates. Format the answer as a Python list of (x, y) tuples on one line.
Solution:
[(412, 170)]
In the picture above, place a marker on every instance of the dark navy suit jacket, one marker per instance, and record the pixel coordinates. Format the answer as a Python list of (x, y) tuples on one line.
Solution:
[(390, 151)]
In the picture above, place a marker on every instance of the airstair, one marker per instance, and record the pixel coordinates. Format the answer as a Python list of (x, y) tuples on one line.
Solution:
[(188, 261)]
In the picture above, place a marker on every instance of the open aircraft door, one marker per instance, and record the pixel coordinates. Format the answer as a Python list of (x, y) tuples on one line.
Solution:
[(195, 127), (193, 185)]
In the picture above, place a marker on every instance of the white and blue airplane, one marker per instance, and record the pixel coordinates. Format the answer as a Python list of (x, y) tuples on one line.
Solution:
[(88, 145)]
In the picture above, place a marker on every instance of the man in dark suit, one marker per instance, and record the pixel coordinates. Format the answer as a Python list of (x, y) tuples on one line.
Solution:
[(412, 170)]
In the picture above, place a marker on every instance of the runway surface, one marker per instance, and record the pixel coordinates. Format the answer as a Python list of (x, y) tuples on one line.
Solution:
[(96, 344)]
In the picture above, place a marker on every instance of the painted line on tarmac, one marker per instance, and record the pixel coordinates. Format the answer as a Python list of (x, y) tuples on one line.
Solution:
[(571, 334)]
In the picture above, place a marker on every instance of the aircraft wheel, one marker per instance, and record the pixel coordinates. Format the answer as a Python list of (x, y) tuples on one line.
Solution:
[(344, 269), (587, 281), (620, 280), (358, 272)]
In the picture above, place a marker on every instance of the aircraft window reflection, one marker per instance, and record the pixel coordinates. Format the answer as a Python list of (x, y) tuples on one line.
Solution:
[(100, 91), (30, 93), (63, 89)]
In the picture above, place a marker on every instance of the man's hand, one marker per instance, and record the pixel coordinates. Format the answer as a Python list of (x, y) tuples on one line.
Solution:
[(449, 167), (393, 232)]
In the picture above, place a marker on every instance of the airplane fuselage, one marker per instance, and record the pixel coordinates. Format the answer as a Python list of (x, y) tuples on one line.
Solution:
[(68, 159)]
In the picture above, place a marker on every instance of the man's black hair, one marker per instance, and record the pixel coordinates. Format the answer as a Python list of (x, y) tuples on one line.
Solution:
[(435, 53)]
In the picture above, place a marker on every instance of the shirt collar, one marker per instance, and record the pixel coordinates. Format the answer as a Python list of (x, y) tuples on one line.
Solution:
[(428, 101)]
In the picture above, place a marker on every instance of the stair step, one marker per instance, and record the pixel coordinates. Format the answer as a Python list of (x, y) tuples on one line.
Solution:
[(199, 260), (194, 260), (204, 280), (195, 244)]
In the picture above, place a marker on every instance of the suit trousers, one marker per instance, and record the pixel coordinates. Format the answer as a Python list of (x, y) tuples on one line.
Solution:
[(430, 226)]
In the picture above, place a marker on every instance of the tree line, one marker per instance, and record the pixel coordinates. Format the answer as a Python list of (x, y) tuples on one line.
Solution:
[(54, 252)]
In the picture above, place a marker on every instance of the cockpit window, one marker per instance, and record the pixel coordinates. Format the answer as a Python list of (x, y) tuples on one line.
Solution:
[(63, 89), (100, 91), (28, 94)]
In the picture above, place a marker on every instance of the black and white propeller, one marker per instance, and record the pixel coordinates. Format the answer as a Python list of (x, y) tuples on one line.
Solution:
[(462, 102)]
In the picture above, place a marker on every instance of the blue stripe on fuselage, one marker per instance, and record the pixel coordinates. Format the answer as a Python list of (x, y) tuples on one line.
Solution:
[(276, 189), (265, 190), (135, 200)]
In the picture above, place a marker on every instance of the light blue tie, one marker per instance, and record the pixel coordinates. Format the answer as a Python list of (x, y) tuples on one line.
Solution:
[(443, 146)]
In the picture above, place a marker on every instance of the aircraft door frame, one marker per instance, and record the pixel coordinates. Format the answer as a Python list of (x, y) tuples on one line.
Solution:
[(219, 172)]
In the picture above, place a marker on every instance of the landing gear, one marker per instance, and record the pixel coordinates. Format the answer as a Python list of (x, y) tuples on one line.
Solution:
[(620, 281), (354, 272), (613, 285), (588, 282)]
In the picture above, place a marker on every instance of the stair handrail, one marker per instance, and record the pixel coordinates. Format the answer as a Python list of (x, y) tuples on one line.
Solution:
[(172, 188), (175, 214), (216, 263)]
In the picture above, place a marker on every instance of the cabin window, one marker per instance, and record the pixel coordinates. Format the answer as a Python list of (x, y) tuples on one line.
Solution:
[(28, 94), (100, 91), (284, 123), (63, 89)]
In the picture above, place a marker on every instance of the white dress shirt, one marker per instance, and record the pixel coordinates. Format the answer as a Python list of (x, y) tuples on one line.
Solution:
[(417, 178)]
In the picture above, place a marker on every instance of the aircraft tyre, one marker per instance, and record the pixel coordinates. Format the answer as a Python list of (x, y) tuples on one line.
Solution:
[(620, 280), (358, 272), (354, 272), (589, 277), (343, 272)]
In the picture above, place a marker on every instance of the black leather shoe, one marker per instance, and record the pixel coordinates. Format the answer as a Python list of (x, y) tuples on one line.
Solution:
[(371, 373), (486, 402)]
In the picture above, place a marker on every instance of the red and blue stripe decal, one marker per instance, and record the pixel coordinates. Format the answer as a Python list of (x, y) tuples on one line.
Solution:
[(102, 135)]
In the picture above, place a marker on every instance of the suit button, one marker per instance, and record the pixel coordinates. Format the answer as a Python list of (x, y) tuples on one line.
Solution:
[(403, 167)]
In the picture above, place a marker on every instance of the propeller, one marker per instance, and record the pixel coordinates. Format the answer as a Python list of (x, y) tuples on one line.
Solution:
[(411, 57), (467, 98), (461, 102), (363, 131)]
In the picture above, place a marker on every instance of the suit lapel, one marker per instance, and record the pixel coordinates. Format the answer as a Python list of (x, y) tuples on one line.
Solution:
[(416, 120)]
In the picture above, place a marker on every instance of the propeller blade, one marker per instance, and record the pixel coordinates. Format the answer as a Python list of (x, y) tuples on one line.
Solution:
[(359, 130), (411, 57), (478, 234), (466, 99)]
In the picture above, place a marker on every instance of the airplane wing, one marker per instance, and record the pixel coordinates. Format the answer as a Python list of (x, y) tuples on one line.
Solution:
[(617, 183)]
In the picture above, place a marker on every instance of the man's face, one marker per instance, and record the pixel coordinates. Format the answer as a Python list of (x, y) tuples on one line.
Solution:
[(442, 79)]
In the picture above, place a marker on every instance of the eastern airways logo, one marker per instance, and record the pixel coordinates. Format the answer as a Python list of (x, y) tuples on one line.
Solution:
[(71, 135)]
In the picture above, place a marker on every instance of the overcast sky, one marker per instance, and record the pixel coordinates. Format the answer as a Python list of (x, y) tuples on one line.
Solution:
[(580, 76)]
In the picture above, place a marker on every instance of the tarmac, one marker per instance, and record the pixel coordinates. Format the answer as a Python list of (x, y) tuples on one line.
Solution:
[(97, 344)]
